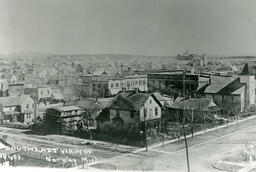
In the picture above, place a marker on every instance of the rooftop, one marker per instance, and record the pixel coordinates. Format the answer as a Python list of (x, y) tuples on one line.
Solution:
[(198, 104), (218, 83), (67, 108), (13, 100), (130, 100)]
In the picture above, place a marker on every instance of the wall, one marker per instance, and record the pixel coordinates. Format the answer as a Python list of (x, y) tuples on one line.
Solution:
[(172, 84), (150, 106), (44, 92), (124, 114), (249, 89), (128, 83)]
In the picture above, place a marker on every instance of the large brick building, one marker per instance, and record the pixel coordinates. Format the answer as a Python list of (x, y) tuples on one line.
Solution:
[(171, 83)]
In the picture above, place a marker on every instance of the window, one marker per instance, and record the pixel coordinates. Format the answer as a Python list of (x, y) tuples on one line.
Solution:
[(117, 84), (42, 92), (140, 82), (144, 82), (136, 82), (112, 85), (145, 112), (132, 115), (117, 113), (150, 101), (27, 106), (2, 86), (48, 92), (156, 111)]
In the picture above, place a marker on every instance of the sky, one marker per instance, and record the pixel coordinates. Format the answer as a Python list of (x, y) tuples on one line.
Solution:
[(142, 27)]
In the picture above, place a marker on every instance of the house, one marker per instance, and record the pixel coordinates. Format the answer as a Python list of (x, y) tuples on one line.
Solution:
[(132, 107), (41, 93), (193, 109), (18, 109), (196, 104), (230, 92), (227, 92), (63, 120)]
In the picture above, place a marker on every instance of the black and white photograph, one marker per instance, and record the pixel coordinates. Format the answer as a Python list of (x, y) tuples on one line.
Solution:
[(128, 85)]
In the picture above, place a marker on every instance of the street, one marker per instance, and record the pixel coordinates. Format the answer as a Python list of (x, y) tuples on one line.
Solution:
[(203, 151)]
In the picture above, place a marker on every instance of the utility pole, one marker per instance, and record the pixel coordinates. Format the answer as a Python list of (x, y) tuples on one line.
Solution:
[(184, 132), (192, 123), (89, 127), (145, 130)]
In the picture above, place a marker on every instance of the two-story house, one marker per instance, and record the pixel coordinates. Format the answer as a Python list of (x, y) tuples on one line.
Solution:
[(132, 107), (17, 109)]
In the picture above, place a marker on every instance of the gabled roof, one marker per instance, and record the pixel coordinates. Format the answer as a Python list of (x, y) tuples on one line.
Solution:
[(14, 100), (122, 102), (198, 104), (138, 100), (131, 101), (218, 83), (163, 98), (158, 96)]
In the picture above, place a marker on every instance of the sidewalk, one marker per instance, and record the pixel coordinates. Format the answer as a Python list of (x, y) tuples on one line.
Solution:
[(195, 134)]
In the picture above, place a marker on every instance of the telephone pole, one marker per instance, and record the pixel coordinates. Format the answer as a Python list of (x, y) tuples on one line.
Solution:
[(184, 132), (145, 130)]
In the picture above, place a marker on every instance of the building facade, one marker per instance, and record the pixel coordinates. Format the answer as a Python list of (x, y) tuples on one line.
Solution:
[(128, 83), (171, 83)]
